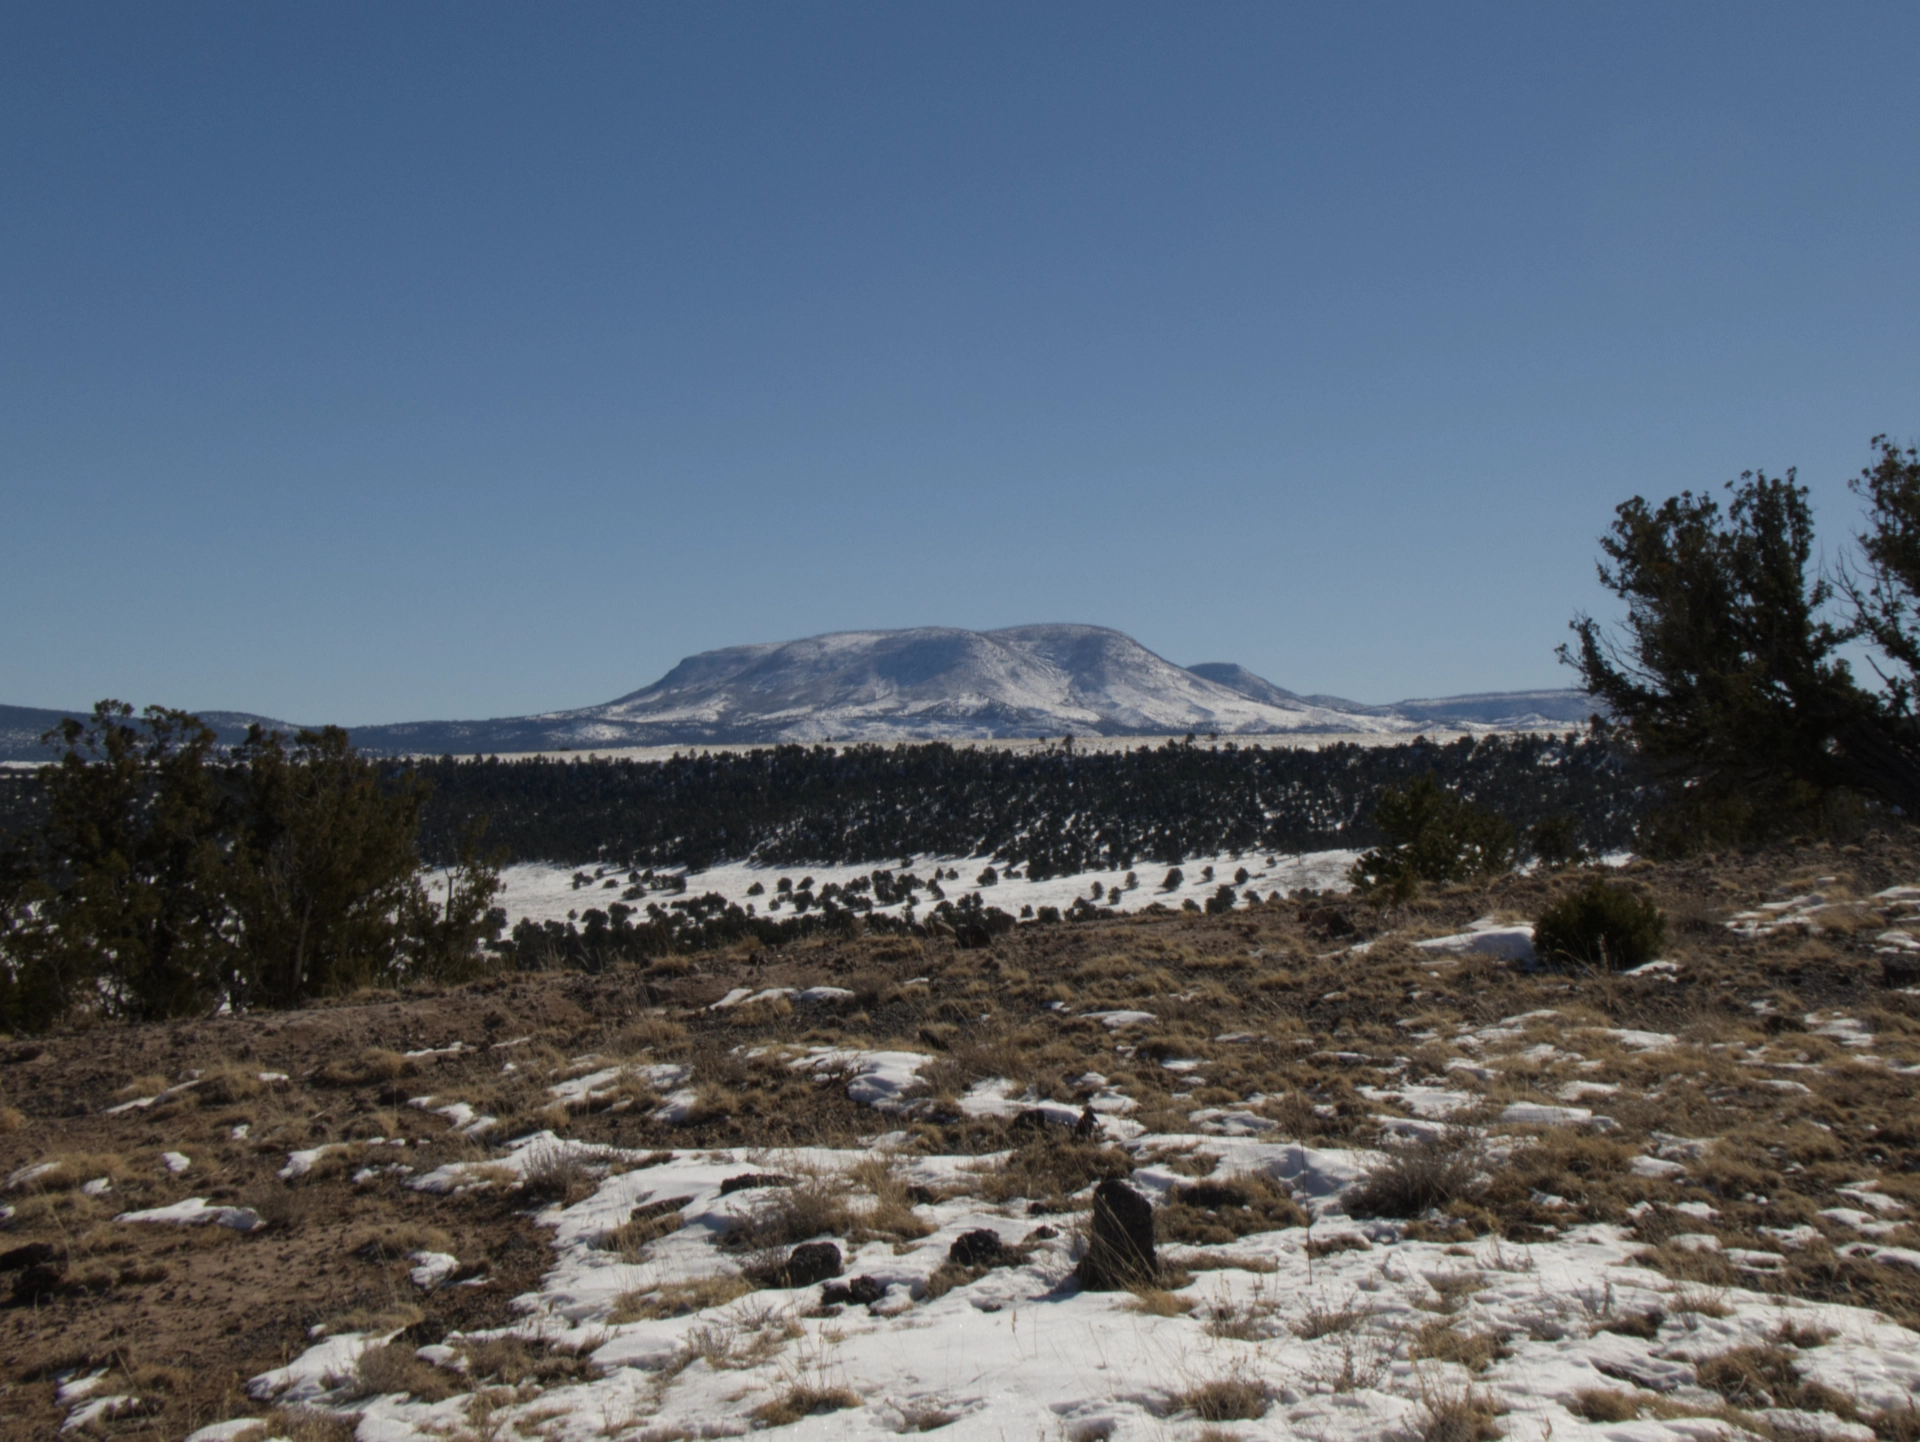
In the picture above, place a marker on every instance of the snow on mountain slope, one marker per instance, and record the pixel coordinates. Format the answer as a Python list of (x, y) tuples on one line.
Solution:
[(937, 682), (927, 683)]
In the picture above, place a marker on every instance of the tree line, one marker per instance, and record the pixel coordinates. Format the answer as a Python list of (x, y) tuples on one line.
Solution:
[(1054, 812)]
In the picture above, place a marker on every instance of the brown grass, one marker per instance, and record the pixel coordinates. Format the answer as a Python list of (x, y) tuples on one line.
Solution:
[(382, 1371), (679, 1299), (1444, 1342), (1225, 1399), (804, 1401), (375, 1064), (786, 1216), (1159, 1302), (1049, 1169), (1420, 1176), (1465, 1416), (558, 1174), (645, 1224), (1320, 1320), (511, 1361), (1210, 1212)]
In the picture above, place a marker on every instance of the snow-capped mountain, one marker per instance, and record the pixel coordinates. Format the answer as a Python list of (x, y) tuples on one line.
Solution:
[(930, 683)]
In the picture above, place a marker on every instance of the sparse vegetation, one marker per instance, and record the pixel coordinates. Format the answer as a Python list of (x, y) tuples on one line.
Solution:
[(1676, 1061)]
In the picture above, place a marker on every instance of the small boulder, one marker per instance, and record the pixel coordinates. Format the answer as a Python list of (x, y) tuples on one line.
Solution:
[(1120, 1251), (31, 1255), (810, 1262), (750, 1181), (861, 1292), (37, 1284), (981, 1247)]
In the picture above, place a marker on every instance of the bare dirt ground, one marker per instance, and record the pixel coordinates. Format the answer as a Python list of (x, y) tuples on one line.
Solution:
[(1777, 1093)]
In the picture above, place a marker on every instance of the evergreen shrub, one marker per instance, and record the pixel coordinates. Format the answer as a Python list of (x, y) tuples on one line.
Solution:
[(1601, 925)]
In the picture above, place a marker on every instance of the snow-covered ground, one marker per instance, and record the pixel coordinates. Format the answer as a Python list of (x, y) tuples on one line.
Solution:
[(542, 892), (1319, 1325)]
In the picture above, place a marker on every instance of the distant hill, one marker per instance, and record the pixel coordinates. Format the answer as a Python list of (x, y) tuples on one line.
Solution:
[(928, 683), (21, 728), (1488, 708)]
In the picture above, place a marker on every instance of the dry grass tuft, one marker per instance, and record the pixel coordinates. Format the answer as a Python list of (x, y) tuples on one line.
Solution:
[(652, 1033), (1442, 1342), (804, 1401), (645, 1224), (393, 1368), (1212, 1212), (1159, 1302), (1762, 1377), (375, 1064), (1320, 1320), (1049, 1169), (786, 1216), (510, 1361), (1465, 1416), (1420, 1176), (1225, 1399), (1605, 1404), (679, 1299), (559, 1174)]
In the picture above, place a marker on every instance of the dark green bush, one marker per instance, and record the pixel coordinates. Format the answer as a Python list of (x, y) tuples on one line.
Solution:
[(1433, 834), (1601, 925)]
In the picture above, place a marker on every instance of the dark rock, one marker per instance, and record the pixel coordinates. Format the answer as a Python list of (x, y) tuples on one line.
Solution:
[(922, 1196), (748, 1181), (981, 1247), (810, 1262), (30, 1255), (861, 1292), (1900, 970), (38, 1284), (1042, 1234), (1120, 1251), (1327, 922)]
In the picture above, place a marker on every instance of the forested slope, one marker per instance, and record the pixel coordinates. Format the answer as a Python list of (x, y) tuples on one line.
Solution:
[(1052, 811)]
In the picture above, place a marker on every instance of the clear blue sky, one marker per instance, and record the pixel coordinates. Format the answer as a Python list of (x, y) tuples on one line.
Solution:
[(385, 362)]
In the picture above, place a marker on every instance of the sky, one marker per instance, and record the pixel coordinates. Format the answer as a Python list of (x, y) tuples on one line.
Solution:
[(368, 363)]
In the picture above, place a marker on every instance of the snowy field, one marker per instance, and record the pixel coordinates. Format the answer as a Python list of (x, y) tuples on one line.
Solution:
[(541, 892), (1326, 1331), (948, 1295)]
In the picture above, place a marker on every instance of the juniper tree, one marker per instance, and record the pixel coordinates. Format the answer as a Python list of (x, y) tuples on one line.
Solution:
[(1433, 834), (1727, 675)]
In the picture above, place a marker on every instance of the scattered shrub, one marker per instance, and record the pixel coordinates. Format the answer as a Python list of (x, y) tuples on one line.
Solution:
[(1433, 834), (1419, 1176), (1601, 925)]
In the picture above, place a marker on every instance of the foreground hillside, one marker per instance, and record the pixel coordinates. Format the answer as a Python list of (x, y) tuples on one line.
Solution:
[(1397, 1189)]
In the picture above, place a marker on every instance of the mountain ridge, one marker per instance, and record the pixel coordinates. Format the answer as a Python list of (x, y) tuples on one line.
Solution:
[(918, 683)]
